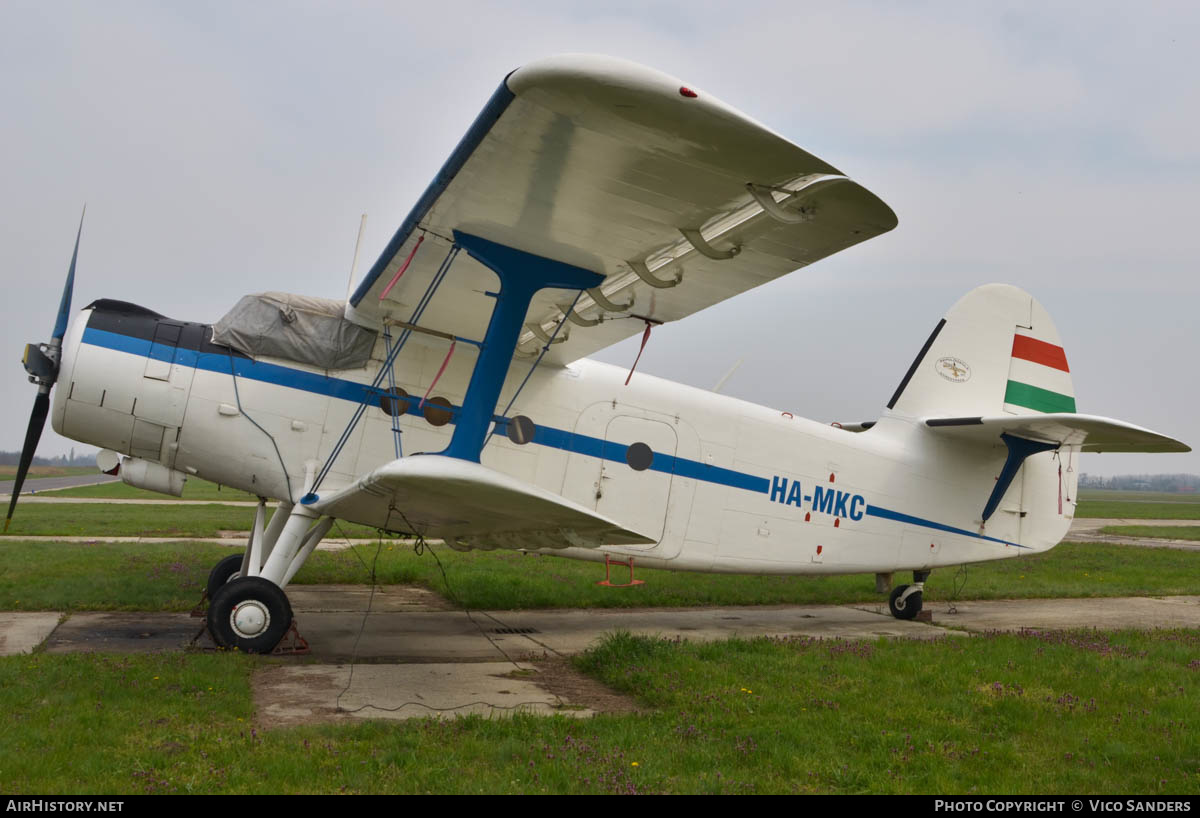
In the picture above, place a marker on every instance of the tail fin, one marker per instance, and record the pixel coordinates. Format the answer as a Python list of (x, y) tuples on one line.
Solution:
[(996, 351), (993, 377)]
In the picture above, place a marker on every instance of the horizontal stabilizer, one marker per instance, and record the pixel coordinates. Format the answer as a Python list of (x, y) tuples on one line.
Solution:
[(1089, 432), (465, 503)]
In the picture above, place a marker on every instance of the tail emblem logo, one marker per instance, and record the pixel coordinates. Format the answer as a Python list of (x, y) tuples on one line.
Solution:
[(953, 369)]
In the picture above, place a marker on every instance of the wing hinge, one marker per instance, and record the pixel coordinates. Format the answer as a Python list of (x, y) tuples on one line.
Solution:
[(782, 211)]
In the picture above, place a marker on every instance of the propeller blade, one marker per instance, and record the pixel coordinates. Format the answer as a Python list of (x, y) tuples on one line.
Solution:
[(64, 307), (37, 420)]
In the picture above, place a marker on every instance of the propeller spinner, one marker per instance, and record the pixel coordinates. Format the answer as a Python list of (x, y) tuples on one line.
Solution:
[(41, 362)]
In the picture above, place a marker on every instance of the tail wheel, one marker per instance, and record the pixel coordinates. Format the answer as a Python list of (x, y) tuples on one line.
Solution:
[(250, 614), (222, 572), (906, 608)]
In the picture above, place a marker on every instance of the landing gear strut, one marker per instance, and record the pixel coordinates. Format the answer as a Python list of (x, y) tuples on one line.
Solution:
[(905, 601), (248, 609)]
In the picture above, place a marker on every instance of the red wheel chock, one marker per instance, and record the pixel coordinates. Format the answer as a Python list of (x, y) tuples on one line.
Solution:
[(292, 643), (607, 581)]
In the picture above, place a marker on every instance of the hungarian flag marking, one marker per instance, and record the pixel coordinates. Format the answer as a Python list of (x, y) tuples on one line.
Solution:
[(1046, 385)]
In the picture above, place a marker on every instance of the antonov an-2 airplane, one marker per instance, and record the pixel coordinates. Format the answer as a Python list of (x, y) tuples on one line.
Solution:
[(451, 397)]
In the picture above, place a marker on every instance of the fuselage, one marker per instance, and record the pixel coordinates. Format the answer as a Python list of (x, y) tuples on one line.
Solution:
[(720, 484)]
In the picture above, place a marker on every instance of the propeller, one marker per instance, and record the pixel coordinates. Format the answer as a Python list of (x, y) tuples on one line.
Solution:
[(41, 362)]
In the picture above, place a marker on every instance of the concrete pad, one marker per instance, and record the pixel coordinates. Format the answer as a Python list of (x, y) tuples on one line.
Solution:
[(1061, 614), (304, 694), (572, 631), (447, 636), (112, 632), (1090, 530), (485, 635), (22, 632), (405, 625), (343, 598)]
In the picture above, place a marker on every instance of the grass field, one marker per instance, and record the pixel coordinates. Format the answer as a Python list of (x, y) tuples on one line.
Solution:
[(1138, 505), (1116, 495), (1137, 511), (169, 577), (1032, 713), (193, 489)]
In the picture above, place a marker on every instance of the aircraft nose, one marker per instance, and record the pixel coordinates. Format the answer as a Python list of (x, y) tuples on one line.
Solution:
[(66, 366)]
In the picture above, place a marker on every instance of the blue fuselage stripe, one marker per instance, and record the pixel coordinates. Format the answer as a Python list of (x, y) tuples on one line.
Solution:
[(224, 363), (544, 435), (900, 517), (668, 464)]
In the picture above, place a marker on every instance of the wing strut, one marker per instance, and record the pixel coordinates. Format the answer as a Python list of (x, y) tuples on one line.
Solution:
[(521, 275), (393, 404), (386, 369), (502, 422)]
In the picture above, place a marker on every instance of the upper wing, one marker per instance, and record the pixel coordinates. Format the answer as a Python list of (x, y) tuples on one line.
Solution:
[(610, 166), (1090, 433)]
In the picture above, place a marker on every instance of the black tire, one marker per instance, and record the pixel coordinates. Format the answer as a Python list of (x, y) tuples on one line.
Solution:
[(265, 615), (222, 572), (907, 609)]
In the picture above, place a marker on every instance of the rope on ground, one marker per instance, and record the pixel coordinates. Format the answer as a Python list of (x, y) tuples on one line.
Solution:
[(960, 581), (419, 547)]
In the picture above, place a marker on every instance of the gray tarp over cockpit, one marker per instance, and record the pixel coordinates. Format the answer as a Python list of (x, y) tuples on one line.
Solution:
[(297, 328)]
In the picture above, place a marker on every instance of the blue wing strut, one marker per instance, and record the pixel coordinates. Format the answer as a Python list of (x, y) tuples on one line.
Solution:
[(521, 275)]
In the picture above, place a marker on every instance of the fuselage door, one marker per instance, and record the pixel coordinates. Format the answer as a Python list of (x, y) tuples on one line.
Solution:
[(635, 474)]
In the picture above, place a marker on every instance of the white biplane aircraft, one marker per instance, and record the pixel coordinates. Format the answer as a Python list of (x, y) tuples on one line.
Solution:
[(451, 396)]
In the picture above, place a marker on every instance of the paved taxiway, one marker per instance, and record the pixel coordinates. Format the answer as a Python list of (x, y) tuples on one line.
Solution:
[(411, 655), (36, 484)]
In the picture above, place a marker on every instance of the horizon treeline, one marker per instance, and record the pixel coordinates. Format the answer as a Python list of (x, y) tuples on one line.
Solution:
[(1173, 483)]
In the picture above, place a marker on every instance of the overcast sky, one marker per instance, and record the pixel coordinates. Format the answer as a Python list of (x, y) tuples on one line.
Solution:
[(230, 148)]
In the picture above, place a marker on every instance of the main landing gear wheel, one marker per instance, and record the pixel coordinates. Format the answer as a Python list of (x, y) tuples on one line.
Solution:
[(251, 614), (222, 572), (906, 607)]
